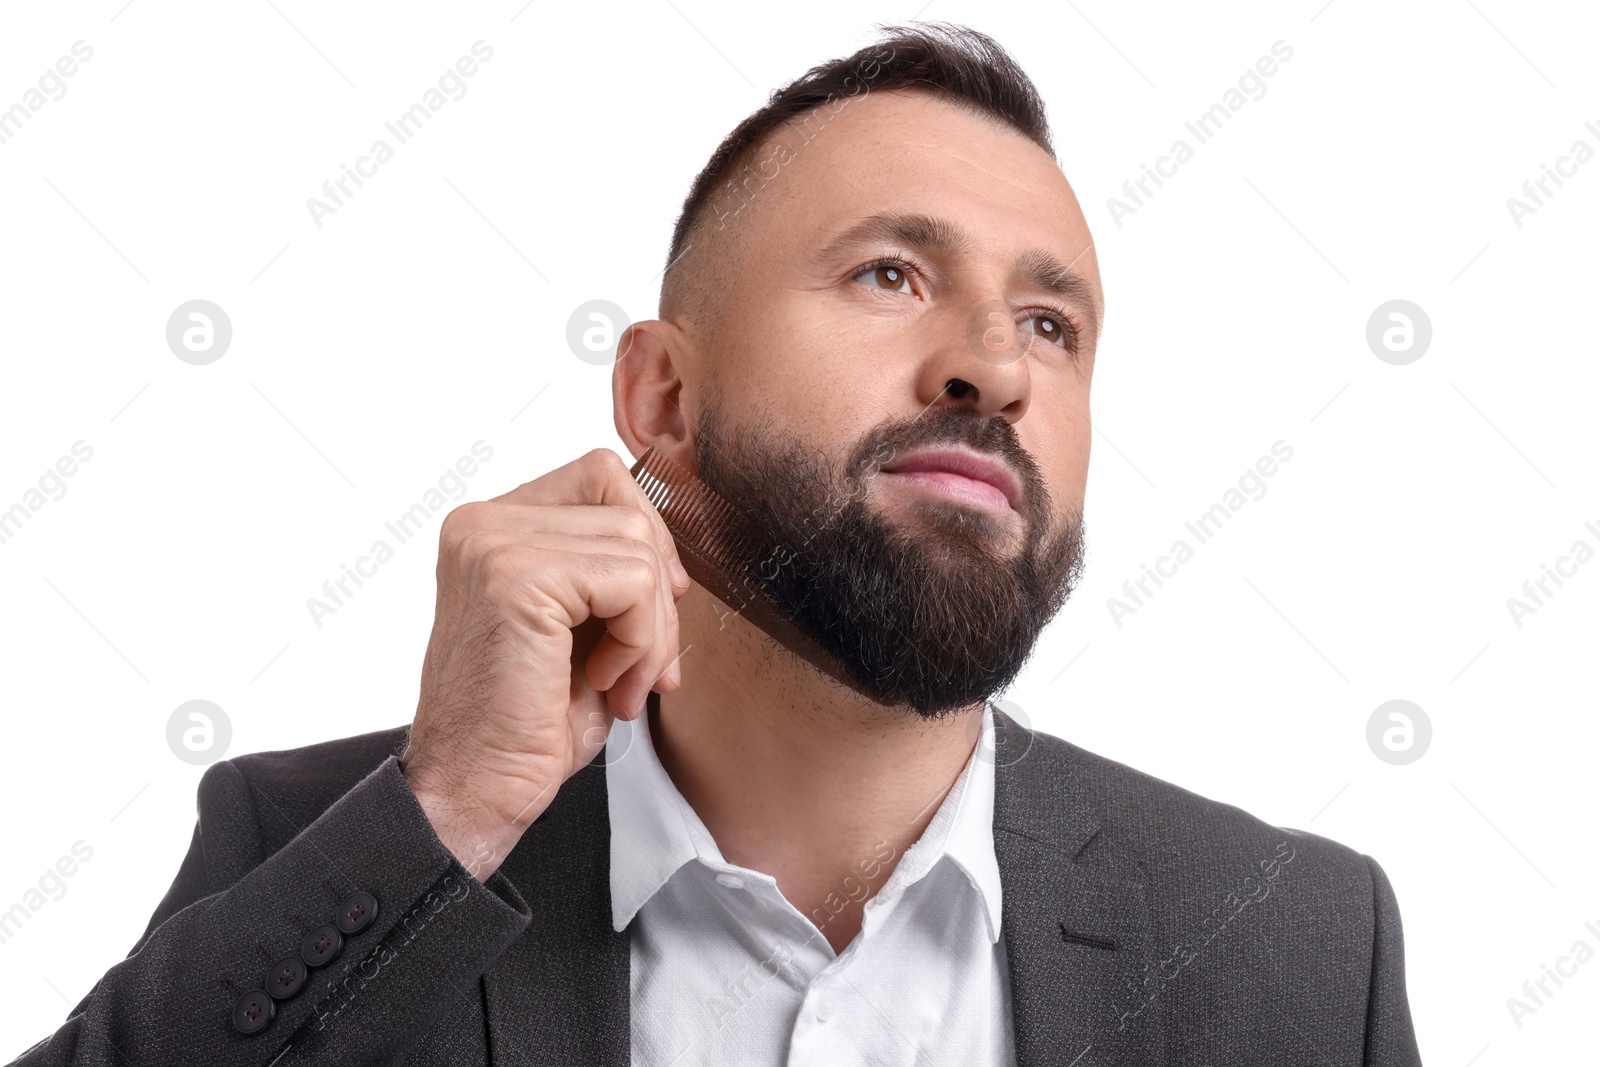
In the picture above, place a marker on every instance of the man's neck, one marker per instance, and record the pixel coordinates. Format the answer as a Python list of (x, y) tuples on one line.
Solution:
[(796, 776)]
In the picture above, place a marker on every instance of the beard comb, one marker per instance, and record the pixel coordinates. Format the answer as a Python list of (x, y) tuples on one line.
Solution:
[(714, 541)]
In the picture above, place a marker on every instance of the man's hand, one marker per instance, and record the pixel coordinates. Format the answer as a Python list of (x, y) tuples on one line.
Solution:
[(556, 610)]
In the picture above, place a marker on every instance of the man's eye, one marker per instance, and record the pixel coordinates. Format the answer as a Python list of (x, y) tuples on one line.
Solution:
[(887, 277), (1050, 327)]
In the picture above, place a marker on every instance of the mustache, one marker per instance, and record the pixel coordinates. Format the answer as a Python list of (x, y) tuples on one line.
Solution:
[(991, 435)]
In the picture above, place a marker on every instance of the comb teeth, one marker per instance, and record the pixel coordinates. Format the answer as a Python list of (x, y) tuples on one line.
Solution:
[(699, 519), (714, 540)]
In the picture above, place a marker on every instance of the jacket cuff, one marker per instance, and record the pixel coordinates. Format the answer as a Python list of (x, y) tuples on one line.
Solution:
[(437, 927)]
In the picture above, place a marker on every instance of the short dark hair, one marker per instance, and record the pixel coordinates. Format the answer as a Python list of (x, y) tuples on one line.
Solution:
[(955, 63)]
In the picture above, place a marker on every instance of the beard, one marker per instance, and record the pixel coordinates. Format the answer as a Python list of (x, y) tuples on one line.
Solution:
[(931, 614)]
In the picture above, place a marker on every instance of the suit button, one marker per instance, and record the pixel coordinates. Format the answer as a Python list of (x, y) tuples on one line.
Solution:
[(285, 977), (252, 1012), (357, 913), (321, 945)]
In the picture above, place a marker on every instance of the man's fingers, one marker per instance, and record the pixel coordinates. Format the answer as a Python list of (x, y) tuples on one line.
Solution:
[(595, 520), (598, 477), (618, 579), (592, 528)]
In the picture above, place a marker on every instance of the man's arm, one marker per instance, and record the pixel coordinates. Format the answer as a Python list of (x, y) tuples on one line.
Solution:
[(228, 921), (513, 703), (1391, 1042)]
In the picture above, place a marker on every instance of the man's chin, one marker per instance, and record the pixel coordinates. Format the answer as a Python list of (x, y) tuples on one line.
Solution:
[(929, 659)]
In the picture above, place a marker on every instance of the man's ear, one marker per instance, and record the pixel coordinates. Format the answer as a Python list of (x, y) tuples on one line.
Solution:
[(647, 390)]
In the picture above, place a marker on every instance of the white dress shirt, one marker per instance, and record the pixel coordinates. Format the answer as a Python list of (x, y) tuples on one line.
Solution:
[(727, 971)]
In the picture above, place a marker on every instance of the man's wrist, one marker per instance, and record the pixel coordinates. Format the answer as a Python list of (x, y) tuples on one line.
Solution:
[(478, 846)]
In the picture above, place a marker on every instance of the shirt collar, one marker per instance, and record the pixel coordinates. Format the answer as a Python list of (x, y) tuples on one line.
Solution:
[(654, 831)]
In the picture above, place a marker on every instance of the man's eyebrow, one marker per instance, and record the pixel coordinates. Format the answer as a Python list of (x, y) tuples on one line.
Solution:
[(1044, 271), (919, 231), (1038, 268)]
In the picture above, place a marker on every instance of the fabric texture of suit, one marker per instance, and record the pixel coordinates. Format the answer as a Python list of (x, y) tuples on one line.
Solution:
[(1144, 924)]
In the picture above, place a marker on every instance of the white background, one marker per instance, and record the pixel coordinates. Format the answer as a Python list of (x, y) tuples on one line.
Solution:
[(368, 354)]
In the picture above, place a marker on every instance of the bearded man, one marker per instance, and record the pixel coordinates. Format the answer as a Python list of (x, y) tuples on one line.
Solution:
[(625, 825)]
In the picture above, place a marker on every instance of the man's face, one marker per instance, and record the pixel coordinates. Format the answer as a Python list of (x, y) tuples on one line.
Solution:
[(899, 390)]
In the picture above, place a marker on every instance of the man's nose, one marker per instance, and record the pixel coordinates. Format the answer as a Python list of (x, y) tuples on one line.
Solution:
[(979, 360)]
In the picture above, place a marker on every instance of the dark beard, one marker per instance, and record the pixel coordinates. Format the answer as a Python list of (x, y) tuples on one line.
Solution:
[(935, 619)]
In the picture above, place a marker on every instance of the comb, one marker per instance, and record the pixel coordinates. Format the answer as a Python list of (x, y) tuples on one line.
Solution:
[(714, 539)]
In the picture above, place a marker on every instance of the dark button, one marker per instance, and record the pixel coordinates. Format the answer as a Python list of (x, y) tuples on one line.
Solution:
[(321, 945), (357, 913), (252, 1012), (285, 977)]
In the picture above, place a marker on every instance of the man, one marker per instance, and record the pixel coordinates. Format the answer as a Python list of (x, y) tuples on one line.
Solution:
[(877, 334)]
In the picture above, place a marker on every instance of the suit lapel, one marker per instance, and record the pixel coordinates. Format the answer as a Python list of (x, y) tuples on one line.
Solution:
[(560, 994), (1076, 929)]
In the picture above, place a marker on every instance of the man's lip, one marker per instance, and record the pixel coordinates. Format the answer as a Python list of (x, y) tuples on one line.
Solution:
[(958, 461)]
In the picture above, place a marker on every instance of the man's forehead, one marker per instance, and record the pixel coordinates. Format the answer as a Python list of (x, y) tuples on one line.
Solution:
[(908, 168), (904, 153), (901, 133)]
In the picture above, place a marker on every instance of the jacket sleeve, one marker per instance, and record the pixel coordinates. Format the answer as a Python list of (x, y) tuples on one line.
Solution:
[(231, 916), (1391, 1042)]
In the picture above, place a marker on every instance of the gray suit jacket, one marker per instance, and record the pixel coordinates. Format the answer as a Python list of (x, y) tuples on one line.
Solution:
[(1144, 925)]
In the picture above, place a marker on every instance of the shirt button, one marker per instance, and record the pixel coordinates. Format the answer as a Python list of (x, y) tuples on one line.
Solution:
[(823, 1008), (732, 881)]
